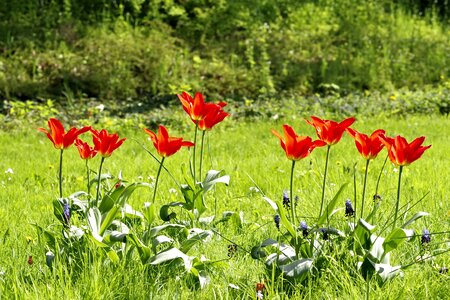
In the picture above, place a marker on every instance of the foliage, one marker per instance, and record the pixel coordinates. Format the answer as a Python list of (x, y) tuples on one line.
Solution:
[(145, 50)]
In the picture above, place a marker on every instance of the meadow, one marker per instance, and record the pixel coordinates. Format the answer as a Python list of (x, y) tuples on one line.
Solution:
[(246, 150)]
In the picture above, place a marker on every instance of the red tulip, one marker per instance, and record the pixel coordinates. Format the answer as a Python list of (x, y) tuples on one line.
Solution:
[(165, 145), (330, 131), (296, 147), (214, 114), (86, 151), (59, 138), (369, 147), (400, 152), (194, 107), (105, 143)]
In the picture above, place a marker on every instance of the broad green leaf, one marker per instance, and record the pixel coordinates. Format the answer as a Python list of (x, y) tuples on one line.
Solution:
[(110, 199), (164, 211), (109, 218), (298, 269), (149, 212), (103, 177), (94, 219), (285, 221), (212, 178), (271, 203), (131, 213), (194, 238), (329, 209), (189, 196), (362, 233), (377, 252), (116, 236), (129, 191), (144, 251), (171, 255), (414, 218), (155, 230), (397, 237), (159, 240)]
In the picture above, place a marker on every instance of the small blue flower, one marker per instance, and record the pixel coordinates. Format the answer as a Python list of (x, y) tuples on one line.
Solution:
[(286, 201), (304, 228), (66, 213), (349, 211), (426, 238), (276, 219)]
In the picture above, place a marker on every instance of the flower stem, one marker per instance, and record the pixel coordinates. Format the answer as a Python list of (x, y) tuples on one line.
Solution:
[(379, 175), (88, 182), (364, 187), (398, 196), (324, 179), (291, 194), (157, 179), (201, 154), (98, 180), (60, 173), (195, 148)]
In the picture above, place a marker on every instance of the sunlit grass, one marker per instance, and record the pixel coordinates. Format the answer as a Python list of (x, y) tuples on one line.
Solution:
[(251, 155)]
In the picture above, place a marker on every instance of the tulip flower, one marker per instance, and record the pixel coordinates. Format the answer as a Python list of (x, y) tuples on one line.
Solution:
[(85, 151), (296, 147), (214, 115), (330, 131), (58, 136), (194, 107), (402, 153), (369, 147), (205, 116), (165, 146), (61, 140), (104, 143)]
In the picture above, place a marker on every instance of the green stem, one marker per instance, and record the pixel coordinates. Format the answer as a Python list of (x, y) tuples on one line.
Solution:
[(157, 179), (195, 148), (201, 154), (364, 188), (398, 196), (88, 182), (291, 193), (379, 175), (98, 180), (354, 192), (324, 179), (60, 173)]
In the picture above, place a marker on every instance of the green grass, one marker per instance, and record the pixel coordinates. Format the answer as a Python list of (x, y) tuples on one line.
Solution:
[(250, 154)]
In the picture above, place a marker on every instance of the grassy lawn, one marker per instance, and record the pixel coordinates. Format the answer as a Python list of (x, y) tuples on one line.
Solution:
[(251, 155)]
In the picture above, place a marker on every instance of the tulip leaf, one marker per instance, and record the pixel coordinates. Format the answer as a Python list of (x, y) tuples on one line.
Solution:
[(212, 178), (285, 220), (129, 190), (103, 177), (329, 209), (414, 218), (155, 230), (109, 218), (149, 212), (171, 255), (298, 269), (159, 240), (144, 251), (397, 237), (164, 211), (194, 237)]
